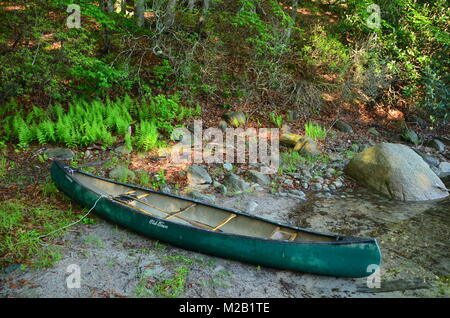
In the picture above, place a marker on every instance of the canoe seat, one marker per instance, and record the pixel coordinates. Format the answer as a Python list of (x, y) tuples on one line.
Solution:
[(281, 234)]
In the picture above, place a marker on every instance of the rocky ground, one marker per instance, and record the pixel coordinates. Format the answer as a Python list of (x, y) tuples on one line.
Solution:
[(313, 193), (115, 262)]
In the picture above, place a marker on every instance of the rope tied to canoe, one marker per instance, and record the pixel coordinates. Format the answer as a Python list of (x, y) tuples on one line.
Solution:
[(68, 225), (70, 170)]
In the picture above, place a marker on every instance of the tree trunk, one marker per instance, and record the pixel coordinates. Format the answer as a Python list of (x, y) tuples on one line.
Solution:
[(293, 17), (139, 9), (191, 5), (108, 7), (202, 18), (170, 13)]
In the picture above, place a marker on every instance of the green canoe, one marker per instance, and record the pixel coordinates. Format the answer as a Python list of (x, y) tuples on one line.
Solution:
[(218, 231)]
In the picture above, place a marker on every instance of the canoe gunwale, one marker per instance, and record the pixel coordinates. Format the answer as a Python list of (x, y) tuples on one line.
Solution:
[(345, 240)]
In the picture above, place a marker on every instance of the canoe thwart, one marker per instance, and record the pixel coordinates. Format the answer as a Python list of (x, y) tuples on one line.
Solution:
[(228, 219), (171, 215)]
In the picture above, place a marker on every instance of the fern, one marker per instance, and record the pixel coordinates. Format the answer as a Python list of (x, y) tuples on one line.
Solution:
[(146, 135)]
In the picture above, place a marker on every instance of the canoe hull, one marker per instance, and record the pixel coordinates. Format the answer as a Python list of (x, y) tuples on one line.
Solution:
[(344, 259)]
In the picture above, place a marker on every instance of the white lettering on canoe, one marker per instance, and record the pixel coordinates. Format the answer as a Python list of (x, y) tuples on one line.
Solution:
[(158, 223)]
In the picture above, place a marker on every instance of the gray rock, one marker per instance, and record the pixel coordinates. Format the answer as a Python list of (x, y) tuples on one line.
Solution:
[(122, 150), (196, 195), (316, 187), (235, 119), (437, 144), (59, 154), (197, 175), (228, 166), (305, 185), (307, 146), (338, 183), (444, 169), (166, 189), (410, 136), (235, 183), (343, 126), (297, 194), (318, 180), (122, 173), (445, 140), (220, 187), (256, 187), (251, 206), (432, 161), (259, 177), (289, 182), (396, 171)]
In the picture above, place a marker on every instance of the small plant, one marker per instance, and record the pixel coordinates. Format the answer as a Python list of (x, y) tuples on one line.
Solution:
[(42, 158), (159, 180), (94, 241), (315, 131), (47, 257), (3, 167), (172, 287), (49, 189), (277, 120), (144, 178), (290, 160)]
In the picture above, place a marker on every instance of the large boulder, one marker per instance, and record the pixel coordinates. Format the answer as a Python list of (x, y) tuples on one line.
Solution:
[(396, 171)]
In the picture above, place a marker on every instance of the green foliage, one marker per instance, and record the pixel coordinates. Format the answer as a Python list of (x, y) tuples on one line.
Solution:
[(172, 287), (326, 53), (3, 167), (277, 120), (159, 180), (21, 225), (315, 131), (162, 74), (290, 160), (85, 123), (146, 135)]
